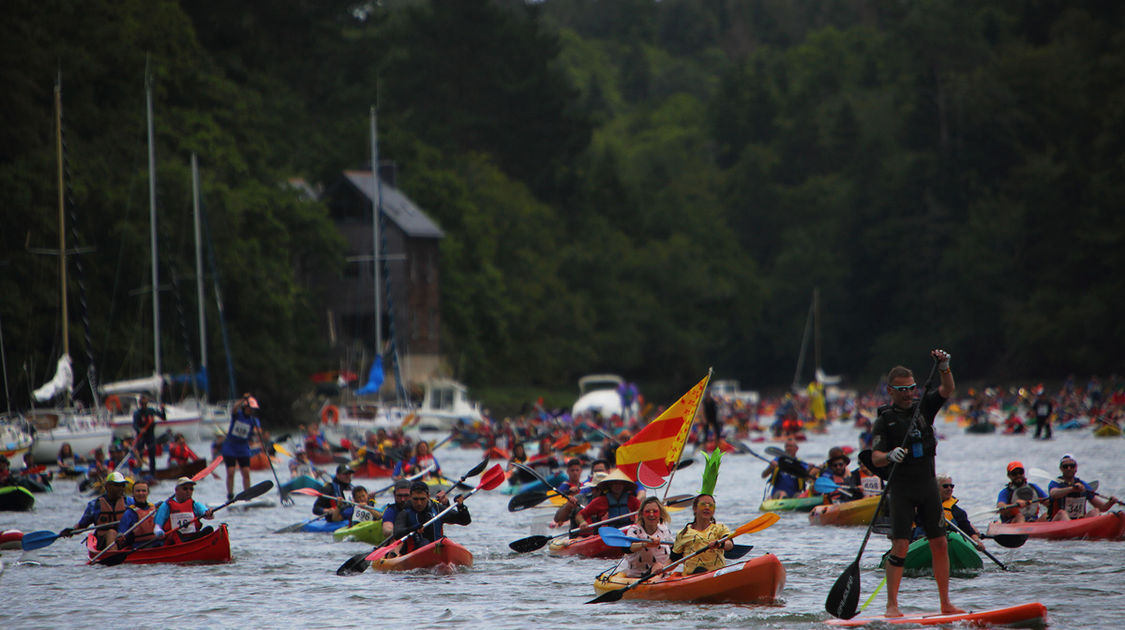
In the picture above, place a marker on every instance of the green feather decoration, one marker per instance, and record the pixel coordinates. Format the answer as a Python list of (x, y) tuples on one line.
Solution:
[(711, 471)]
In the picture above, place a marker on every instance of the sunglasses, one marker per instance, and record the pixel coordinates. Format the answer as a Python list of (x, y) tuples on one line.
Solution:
[(947, 485), (1068, 466), (1015, 473), (904, 388)]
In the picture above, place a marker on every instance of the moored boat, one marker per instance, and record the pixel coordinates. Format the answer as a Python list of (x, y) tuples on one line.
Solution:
[(964, 561), (16, 499), (1105, 526), (370, 532), (585, 546), (212, 547), (175, 471), (791, 504), (442, 555), (1024, 615), (757, 581), (858, 512)]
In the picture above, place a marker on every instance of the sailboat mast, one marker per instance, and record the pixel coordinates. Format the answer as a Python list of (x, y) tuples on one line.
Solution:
[(152, 232), (376, 211), (62, 218), (816, 331), (199, 264)]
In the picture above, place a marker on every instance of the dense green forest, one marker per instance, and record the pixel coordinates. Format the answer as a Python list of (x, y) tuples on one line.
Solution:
[(644, 187)]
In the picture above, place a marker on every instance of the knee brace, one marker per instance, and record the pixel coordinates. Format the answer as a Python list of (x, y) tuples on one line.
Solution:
[(895, 561)]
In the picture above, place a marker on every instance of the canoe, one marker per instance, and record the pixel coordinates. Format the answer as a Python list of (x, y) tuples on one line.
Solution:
[(964, 561), (1024, 615), (1107, 430), (322, 526), (858, 512), (791, 504), (297, 483), (1105, 526), (175, 471), (757, 581), (442, 555), (211, 548), (16, 499), (586, 546), (11, 539), (370, 532)]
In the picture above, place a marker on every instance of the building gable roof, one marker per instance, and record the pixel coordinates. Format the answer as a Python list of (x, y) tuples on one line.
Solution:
[(396, 206)]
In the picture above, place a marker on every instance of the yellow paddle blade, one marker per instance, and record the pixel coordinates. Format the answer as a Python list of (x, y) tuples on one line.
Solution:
[(281, 449), (757, 525), (407, 420)]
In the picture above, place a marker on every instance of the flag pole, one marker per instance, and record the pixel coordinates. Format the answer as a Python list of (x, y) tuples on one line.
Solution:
[(668, 484)]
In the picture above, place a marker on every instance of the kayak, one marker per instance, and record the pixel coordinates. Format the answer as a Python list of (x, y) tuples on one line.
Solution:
[(1105, 526), (370, 470), (322, 526), (11, 539), (297, 483), (212, 547), (585, 546), (16, 499), (964, 561), (858, 512), (370, 532), (1034, 614), (530, 486), (442, 555), (791, 504), (757, 581), (1107, 430)]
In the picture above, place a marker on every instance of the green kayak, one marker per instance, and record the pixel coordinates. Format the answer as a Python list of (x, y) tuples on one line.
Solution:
[(792, 504), (370, 532), (964, 561), (16, 499)]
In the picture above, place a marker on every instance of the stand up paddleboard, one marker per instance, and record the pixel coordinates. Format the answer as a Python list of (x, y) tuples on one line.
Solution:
[(1024, 614)]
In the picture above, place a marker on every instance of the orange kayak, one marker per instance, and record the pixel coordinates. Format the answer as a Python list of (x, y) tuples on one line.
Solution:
[(586, 546), (757, 581), (858, 512), (1106, 526), (211, 548), (442, 555)]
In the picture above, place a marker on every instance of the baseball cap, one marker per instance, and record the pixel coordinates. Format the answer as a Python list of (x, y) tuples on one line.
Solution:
[(343, 469), (184, 480), (1014, 465), (115, 477)]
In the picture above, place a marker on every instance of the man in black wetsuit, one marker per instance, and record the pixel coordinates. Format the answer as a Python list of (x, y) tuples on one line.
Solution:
[(907, 440)]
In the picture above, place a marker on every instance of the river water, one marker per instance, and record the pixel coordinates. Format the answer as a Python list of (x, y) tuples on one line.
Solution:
[(289, 580)]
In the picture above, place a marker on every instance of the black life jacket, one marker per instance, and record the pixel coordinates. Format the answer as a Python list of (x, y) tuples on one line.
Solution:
[(920, 443)]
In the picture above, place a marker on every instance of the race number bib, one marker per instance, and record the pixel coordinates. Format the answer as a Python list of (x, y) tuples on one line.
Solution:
[(1075, 506), (1043, 410), (241, 429), (183, 521), (361, 515), (871, 486)]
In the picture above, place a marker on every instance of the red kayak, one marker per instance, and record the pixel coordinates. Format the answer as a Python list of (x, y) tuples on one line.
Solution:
[(1024, 615), (586, 546), (209, 549), (369, 470), (1107, 526), (442, 555)]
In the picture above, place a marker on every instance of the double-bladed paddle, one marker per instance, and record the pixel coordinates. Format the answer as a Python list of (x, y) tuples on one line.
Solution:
[(314, 493), (300, 525), (495, 476), (755, 525), (982, 549), (252, 492), (843, 599), (614, 538), (824, 485), (531, 543), (285, 500), (44, 537)]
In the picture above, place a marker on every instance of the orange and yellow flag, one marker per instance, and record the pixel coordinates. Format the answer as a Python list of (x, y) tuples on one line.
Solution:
[(652, 454)]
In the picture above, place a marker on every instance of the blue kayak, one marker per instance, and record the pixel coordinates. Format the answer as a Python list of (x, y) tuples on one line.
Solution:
[(555, 479), (321, 526)]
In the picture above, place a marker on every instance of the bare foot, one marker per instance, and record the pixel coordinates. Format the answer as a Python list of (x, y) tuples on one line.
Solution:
[(950, 609), (892, 611)]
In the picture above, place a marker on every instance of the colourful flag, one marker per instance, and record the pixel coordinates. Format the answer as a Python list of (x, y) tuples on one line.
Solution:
[(652, 454)]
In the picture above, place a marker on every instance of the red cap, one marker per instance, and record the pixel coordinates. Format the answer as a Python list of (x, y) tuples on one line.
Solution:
[(1014, 465)]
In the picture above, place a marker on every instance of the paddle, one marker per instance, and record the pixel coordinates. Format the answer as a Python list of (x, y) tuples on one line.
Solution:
[(434, 447), (133, 449), (252, 492), (44, 537), (313, 493), (843, 599), (789, 464), (824, 485), (210, 468), (982, 549), (531, 543), (758, 524), (417, 475), (359, 562), (526, 500), (300, 525), (994, 510), (547, 482), (285, 500), (614, 538)]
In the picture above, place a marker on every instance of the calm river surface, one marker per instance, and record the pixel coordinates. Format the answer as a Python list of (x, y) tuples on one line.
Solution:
[(289, 580)]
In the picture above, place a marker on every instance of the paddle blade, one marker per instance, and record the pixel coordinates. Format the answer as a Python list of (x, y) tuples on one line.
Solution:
[(476, 470), (757, 525), (492, 479), (253, 491), (295, 527), (354, 565), (309, 491), (531, 543), (824, 485), (843, 599), (526, 500), (678, 500), (737, 552), (1011, 541), (609, 596), (210, 468), (38, 540), (614, 538)]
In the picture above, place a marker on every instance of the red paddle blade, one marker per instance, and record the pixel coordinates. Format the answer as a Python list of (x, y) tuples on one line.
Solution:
[(308, 491), (492, 478)]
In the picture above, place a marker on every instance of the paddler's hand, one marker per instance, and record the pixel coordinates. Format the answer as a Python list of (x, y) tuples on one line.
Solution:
[(440, 496), (66, 532), (897, 454), (209, 514), (460, 500)]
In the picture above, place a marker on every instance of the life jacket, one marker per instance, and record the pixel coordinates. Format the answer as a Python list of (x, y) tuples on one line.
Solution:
[(428, 534), (108, 513), (781, 480), (947, 508), (619, 506), (1074, 506), (179, 453), (143, 531), (921, 441), (181, 516)]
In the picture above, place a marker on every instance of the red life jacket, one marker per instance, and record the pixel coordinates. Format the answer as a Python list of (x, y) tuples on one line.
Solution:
[(181, 516)]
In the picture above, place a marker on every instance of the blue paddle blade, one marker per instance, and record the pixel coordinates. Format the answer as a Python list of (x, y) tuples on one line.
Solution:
[(824, 485), (614, 538), (37, 540)]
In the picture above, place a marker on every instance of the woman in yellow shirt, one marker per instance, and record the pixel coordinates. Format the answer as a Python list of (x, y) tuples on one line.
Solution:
[(700, 533)]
